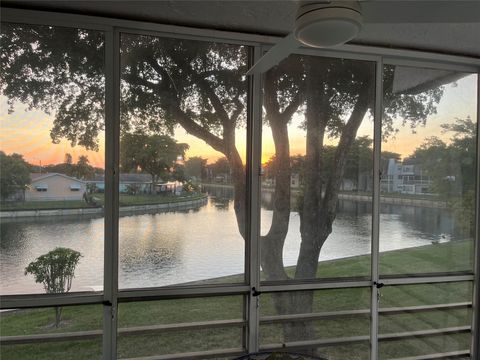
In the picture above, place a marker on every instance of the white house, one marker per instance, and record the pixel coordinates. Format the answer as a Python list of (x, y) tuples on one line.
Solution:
[(405, 177), (54, 187)]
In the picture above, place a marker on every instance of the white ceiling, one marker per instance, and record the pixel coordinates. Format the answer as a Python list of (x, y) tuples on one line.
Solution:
[(270, 18)]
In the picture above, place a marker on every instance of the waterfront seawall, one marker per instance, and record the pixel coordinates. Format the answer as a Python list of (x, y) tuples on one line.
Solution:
[(177, 205)]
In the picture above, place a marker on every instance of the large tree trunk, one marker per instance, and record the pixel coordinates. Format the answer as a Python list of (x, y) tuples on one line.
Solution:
[(310, 212), (271, 245), (237, 174), (319, 204), (321, 194)]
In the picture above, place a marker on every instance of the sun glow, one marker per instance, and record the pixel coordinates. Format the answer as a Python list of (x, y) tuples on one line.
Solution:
[(28, 132)]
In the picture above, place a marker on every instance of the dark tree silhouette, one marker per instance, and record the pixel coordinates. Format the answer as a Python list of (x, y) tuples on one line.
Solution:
[(202, 87), (14, 175), (153, 154)]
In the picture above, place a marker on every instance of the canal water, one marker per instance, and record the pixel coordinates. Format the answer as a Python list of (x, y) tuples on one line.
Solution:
[(166, 248)]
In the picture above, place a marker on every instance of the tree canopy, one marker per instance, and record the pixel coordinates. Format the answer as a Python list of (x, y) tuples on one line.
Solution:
[(14, 174), (195, 167), (60, 71), (451, 167), (156, 155), (202, 87), (55, 270)]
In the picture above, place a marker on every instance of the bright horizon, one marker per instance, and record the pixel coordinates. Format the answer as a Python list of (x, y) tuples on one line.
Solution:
[(28, 132)]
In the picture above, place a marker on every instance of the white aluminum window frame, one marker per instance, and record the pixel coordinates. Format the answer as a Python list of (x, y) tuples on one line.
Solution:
[(111, 295)]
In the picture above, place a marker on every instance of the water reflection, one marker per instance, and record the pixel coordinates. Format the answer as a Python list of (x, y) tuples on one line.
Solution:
[(221, 196), (427, 223), (23, 240), (165, 248)]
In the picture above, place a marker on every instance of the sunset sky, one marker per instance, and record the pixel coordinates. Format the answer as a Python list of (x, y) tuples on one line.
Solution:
[(27, 132)]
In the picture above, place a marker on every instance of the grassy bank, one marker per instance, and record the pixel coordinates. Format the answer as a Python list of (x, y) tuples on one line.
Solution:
[(45, 205), (445, 257), (125, 200), (131, 200)]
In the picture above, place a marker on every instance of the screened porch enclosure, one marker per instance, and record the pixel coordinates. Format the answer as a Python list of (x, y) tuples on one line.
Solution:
[(327, 207)]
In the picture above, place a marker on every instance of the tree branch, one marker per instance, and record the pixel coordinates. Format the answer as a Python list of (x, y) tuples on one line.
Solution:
[(170, 105), (347, 138)]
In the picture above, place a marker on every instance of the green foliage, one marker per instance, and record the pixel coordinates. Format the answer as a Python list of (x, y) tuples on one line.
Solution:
[(55, 269), (68, 159), (177, 173), (14, 174), (156, 155), (464, 212), (413, 106), (195, 167), (62, 168), (452, 169), (452, 165), (189, 187), (166, 81), (91, 188), (220, 167), (132, 189), (83, 170), (90, 199)]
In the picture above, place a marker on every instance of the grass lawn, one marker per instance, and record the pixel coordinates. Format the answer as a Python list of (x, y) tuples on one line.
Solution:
[(131, 200), (422, 259), (45, 205), (125, 200), (432, 197)]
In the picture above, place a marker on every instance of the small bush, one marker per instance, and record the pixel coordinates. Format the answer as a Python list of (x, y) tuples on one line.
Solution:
[(55, 270)]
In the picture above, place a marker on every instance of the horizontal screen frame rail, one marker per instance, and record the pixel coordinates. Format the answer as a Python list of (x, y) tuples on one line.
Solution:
[(49, 300), (364, 338), (207, 354), (305, 344), (445, 355), (427, 279), (424, 333), (149, 294), (126, 331), (319, 284), (362, 312)]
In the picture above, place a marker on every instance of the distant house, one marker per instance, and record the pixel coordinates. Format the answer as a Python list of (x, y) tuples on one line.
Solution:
[(295, 180), (54, 187), (139, 183), (173, 187), (406, 177)]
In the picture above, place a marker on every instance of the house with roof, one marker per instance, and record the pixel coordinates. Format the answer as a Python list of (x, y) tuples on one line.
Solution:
[(54, 187), (406, 177), (133, 183), (138, 183)]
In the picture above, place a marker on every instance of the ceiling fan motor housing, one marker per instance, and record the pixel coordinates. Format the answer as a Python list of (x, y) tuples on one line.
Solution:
[(326, 25)]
